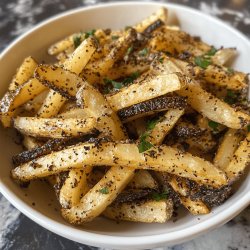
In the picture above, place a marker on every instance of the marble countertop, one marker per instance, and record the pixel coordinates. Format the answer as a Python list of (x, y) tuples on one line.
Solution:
[(19, 232)]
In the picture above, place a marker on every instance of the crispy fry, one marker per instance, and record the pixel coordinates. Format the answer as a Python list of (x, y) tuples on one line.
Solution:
[(161, 158), (227, 148), (54, 127), (240, 160), (148, 212), (24, 73), (149, 88)]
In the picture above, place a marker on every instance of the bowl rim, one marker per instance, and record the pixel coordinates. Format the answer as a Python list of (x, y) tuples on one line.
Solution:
[(84, 237)]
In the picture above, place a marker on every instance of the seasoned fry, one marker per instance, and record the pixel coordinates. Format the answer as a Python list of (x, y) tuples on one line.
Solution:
[(24, 72), (149, 211), (161, 129), (227, 148), (54, 127), (149, 88), (100, 196), (21, 95), (161, 14), (162, 158), (240, 160), (195, 207), (213, 108), (224, 55), (143, 179)]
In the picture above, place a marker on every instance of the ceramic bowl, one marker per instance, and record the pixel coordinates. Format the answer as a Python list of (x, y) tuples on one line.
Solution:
[(103, 232)]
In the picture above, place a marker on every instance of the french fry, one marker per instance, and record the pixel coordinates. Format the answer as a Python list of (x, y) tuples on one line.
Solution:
[(195, 207), (161, 14), (161, 158), (143, 179), (22, 94), (147, 212), (227, 148), (177, 42), (161, 129), (223, 56), (102, 66), (24, 73), (147, 89), (240, 160), (213, 108), (100, 196), (54, 127), (74, 187)]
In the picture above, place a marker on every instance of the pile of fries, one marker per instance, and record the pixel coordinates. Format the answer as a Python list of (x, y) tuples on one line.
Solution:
[(131, 124)]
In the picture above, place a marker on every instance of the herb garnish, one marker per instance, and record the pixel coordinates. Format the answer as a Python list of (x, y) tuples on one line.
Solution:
[(77, 39), (145, 145), (231, 97), (104, 190), (129, 50), (128, 27), (89, 33), (248, 128), (161, 60), (125, 82), (114, 37), (213, 125), (230, 70), (143, 52), (160, 196), (205, 60)]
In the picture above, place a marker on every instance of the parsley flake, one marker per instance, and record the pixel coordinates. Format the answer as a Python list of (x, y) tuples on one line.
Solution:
[(104, 190), (213, 125), (205, 60), (151, 124), (248, 128), (114, 37), (230, 70), (160, 196), (144, 145), (130, 49), (115, 84), (231, 97), (143, 52), (211, 52), (77, 40), (128, 27), (202, 61), (89, 33)]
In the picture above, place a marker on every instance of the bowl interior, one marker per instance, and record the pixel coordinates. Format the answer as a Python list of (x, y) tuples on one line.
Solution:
[(35, 44)]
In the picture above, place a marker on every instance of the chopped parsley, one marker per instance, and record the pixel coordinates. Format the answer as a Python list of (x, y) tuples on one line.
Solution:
[(128, 27), (231, 97), (77, 39), (144, 144), (161, 60), (104, 190), (151, 124), (115, 84), (248, 128), (202, 61), (118, 85), (114, 37), (205, 60), (129, 50), (160, 196), (143, 52), (89, 33), (211, 52), (213, 125), (230, 70)]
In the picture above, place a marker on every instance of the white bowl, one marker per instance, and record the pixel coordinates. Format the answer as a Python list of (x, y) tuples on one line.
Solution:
[(103, 232)]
